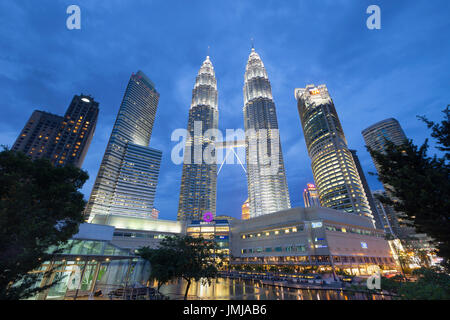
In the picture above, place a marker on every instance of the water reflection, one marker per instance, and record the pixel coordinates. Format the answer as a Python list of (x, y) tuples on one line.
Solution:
[(237, 289)]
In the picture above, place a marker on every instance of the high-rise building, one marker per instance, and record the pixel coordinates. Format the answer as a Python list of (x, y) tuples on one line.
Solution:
[(334, 170), (266, 178), (311, 196), (373, 207), (126, 181), (38, 133), (155, 213), (75, 132), (376, 135), (387, 215), (62, 140), (245, 211), (199, 177)]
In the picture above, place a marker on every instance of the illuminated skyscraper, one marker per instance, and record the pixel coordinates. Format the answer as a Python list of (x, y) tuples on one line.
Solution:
[(37, 134), (245, 211), (311, 196), (199, 177), (62, 140), (75, 132), (127, 178), (388, 216), (334, 170), (266, 178), (373, 207)]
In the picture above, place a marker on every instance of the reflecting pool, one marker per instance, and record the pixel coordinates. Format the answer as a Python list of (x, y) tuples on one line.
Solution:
[(238, 289)]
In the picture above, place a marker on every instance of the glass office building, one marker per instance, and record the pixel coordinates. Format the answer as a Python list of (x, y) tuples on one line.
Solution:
[(376, 215), (333, 167), (199, 177), (128, 175), (376, 135), (266, 178)]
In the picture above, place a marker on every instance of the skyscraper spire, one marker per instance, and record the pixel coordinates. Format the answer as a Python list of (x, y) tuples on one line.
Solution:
[(198, 181), (267, 189)]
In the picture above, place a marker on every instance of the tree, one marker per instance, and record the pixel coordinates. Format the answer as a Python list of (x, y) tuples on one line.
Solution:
[(162, 267), (420, 184), (431, 284), (40, 209), (441, 132), (193, 259)]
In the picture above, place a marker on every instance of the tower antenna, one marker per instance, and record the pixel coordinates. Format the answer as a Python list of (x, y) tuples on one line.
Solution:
[(208, 50), (253, 43)]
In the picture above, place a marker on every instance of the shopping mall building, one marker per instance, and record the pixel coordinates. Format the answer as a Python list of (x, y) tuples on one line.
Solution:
[(103, 258), (302, 238)]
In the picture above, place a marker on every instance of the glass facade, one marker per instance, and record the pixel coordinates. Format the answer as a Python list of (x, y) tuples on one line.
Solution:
[(199, 177), (86, 268), (375, 137), (126, 182), (217, 230), (267, 188), (334, 170)]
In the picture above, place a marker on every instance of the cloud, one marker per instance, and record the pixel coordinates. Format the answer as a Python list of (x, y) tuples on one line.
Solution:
[(399, 71)]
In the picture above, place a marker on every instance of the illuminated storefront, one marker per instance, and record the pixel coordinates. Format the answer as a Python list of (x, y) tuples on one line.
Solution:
[(217, 230), (90, 265), (305, 238)]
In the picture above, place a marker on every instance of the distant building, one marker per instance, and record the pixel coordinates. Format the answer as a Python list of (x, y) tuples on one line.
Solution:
[(362, 176), (386, 214), (311, 196), (75, 133), (38, 133), (126, 181), (62, 140), (334, 170), (376, 135), (245, 211), (155, 213)]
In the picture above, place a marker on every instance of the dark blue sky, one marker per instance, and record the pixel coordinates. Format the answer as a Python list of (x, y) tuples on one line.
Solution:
[(400, 71)]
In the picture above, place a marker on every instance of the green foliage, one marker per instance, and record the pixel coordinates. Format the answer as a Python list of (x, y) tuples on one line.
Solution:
[(420, 185), (161, 261), (431, 284), (193, 259), (441, 131), (40, 208)]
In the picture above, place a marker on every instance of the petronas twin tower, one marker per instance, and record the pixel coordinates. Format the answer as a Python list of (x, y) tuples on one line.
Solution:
[(266, 178)]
